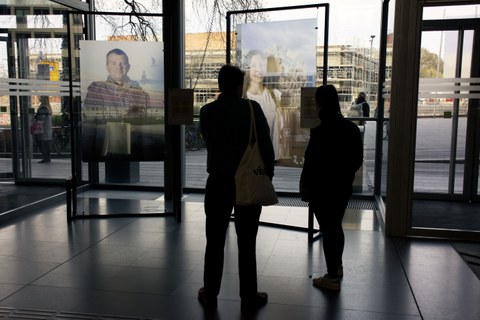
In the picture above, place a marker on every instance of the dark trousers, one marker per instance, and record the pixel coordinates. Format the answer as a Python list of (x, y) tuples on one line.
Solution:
[(219, 204), (329, 214), (44, 146)]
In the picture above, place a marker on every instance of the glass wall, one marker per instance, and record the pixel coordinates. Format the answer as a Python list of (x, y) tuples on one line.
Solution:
[(134, 107), (385, 124), (6, 168), (446, 153), (442, 118), (120, 113), (352, 68), (34, 110)]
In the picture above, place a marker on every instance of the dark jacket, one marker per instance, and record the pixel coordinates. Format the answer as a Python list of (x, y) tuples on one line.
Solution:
[(225, 126), (44, 116), (366, 109), (333, 155)]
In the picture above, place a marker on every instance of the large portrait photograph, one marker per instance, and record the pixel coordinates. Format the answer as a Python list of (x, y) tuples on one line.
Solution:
[(279, 58), (122, 111)]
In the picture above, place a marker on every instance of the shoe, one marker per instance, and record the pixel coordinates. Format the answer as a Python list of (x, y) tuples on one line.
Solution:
[(208, 303), (340, 271), (44, 161), (252, 305), (327, 282)]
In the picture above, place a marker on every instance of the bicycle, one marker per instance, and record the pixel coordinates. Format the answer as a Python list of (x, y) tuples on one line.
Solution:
[(193, 138), (61, 139)]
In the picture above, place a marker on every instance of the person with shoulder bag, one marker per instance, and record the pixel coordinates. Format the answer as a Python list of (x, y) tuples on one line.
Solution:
[(225, 125)]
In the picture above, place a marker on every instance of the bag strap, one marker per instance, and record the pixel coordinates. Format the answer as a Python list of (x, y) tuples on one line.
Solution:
[(253, 126)]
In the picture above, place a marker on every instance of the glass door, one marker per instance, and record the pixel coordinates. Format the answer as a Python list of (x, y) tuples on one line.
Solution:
[(39, 110), (6, 169), (35, 140), (447, 147), (446, 114)]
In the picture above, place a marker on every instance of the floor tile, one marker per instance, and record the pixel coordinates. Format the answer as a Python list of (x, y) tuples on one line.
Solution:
[(152, 267), (46, 298)]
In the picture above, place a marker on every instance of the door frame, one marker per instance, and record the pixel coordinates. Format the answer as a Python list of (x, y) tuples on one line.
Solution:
[(403, 119), (472, 148)]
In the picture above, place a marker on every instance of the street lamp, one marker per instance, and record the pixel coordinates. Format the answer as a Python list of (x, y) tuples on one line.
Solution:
[(370, 64)]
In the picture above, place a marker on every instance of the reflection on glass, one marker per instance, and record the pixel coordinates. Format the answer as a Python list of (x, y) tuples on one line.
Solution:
[(276, 70), (145, 173), (44, 21), (122, 114), (269, 99), (147, 68)]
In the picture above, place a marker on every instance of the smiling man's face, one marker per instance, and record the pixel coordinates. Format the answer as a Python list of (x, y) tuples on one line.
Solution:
[(117, 67)]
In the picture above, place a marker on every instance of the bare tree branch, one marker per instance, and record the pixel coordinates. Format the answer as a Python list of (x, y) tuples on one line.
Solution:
[(141, 27), (221, 8), (215, 10)]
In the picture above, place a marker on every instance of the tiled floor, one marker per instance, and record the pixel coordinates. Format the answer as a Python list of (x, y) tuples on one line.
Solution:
[(151, 267)]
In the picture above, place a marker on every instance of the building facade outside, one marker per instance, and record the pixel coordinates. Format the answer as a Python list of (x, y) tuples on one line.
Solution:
[(350, 69)]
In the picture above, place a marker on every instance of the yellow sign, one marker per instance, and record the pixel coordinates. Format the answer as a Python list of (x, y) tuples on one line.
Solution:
[(53, 67)]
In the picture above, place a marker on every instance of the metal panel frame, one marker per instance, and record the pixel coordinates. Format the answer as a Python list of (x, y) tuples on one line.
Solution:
[(326, 30)]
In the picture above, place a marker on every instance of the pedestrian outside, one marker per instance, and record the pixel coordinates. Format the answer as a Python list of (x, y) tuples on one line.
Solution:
[(44, 134), (365, 107)]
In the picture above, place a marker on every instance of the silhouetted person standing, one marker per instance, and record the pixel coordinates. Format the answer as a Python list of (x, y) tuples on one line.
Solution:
[(225, 126), (333, 155), (44, 139), (362, 100)]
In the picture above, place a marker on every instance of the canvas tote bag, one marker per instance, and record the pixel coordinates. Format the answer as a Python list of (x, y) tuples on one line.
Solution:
[(117, 139), (253, 186)]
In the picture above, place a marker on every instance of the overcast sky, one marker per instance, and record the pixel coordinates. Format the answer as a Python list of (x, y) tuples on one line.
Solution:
[(351, 21)]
